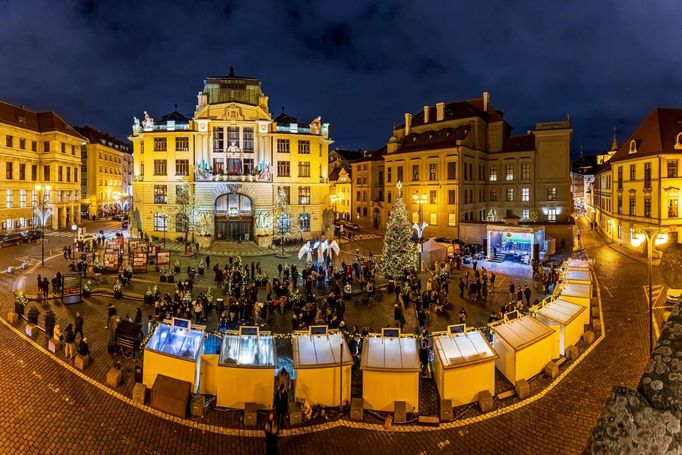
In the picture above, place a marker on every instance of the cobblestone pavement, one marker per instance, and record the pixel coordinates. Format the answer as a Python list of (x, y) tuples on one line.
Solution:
[(50, 409)]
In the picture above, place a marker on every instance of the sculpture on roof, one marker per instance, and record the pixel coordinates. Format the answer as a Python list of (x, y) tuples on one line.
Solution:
[(148, 122), (136, 125), (315, 125)]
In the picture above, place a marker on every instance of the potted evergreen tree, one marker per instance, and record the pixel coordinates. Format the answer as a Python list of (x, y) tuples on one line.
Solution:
[(176, 266), (32, 325), (201, 267), (50, 321), (118, 289), (87, 288), (20, 302)]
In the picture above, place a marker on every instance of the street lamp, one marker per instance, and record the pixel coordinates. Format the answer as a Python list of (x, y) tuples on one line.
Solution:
[(653, 236), (43, 214), (420, 201)]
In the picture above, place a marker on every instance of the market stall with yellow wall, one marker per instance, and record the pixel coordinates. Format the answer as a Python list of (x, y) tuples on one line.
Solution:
[(567, 319), (580, 294), (246, 371), (323, 364), (577, 276), (577, 264), (463, 365), (524, 346), (390, 371)]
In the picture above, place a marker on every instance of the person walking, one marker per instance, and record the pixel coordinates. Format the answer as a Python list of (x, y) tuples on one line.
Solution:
[(527, 293), (79, 326), (461, 287), (271, 434), (492, 281), (398, 318), (281, 404), (46, 287), (69, 342), (208, 261)]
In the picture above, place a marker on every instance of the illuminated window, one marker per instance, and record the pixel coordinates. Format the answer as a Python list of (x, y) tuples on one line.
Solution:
[(247, 136), (525, 214), (22, 198), (672, 208), (525, 171), (304, 195), (182, 144), (160, 167), (304, 222), (510, 195), (160, 222), (525, 194), (551, 193), (509, 172), (160, 194), (218, 139), (433, 197), (551, 215), (304, 168), (433, 171), (283, 169), (493, 173), (9, 199), (304, 147), (181, 167)]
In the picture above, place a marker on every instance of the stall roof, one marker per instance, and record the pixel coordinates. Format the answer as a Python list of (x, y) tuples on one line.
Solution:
[(432, 245), (577, 275), (575, 290), (577, 264), (250, 351), (523, 332), (463, 349), (390, 354), (176, 341), (320, 350), (561, 311)]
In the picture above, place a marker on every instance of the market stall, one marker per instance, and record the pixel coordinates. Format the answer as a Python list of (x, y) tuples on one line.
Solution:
[(524, 346), (390, 371), (577, 264), (576, 293), (174, 350), (433, 252), (246, 370), (464, 364), (323, 366), (577, 276), (567, 319)]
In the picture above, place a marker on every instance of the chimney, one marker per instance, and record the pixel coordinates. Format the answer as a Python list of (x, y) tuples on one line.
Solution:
[(440, 111), (426, 114), (408, 123), (486, 101)]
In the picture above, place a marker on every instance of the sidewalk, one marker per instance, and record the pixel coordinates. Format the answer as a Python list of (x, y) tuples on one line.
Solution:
[(623, 250)]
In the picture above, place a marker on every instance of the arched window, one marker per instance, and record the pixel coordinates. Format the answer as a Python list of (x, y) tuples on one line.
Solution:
[(633, 146), (233, 204)]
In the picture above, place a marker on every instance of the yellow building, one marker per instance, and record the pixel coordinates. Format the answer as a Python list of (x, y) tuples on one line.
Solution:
[(106, 172), (640, 185), (235, 157), (38, 148), (367, 205), (461, 163), (340, 187)]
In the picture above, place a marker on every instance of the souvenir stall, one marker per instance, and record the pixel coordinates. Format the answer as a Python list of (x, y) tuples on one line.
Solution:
[(524, 346), (390, 371), (577, 276), (567, 319), (464, 364), (246, 369), (323, 365), (174, 350), (576, 293), (577, 264)]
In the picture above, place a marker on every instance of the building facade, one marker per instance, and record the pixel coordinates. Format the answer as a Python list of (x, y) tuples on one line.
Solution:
[(367, 205), (461, 163), (640, 184), (340, 187), (39, 162), (107, 172), (234, 157)]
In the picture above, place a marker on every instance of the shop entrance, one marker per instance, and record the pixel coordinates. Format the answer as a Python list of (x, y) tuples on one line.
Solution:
[(233, 218)]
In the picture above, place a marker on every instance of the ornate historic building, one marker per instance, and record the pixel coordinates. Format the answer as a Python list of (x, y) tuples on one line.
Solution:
[(641, 183), (234, 157), (40, 160), (107, 172)]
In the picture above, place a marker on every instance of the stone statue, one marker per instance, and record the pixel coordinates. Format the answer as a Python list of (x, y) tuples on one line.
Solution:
[(233, 148), (136, 125), (148, 122), (315, 125)]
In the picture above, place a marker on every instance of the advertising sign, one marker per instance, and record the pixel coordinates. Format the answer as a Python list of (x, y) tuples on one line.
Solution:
[(72, 289)]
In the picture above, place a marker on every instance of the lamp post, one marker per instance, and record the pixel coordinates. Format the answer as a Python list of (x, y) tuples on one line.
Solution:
[(43, 214), (420, 201), (653, 236)]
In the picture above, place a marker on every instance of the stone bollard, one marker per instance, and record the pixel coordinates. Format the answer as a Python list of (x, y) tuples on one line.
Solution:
[(82, 361), (588, 337), (572, 352), (295, 414), (114, 377), (197, 406), (522, 389), (12, 317), (54, 346), (485, 401), (32, 331), (551, 370), (139, 393)]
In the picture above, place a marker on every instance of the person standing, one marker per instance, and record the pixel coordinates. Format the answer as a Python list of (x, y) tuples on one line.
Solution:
[(398, 318), (79, 326), (208, 261), (281, 404), (271, 434), (492, 281), (461, 287), (46, 287), (527, 293), (69, 342)]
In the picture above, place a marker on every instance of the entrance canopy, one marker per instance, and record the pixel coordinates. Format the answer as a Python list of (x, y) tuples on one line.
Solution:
[(515, 243)]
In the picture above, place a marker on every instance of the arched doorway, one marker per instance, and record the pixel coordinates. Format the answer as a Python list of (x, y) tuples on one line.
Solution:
[(233, 217)]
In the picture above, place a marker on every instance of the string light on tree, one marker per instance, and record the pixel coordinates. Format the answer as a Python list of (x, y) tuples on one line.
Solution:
[(400, 252)]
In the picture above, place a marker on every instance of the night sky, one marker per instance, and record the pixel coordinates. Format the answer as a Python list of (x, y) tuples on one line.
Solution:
[(360, 65)]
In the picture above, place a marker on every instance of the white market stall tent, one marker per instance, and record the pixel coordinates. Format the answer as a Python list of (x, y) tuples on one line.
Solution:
[(323, 366), (577, 276), (246, 371), (567, 318), (464, 364), (390, 371), (576, 293), (577, 264), (433, 252), (524, 346)]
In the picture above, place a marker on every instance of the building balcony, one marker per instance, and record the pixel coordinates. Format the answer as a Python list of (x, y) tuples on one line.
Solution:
[(203, 175)]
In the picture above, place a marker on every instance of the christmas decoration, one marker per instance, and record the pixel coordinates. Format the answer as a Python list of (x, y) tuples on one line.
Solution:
[(491, 217), (400, 252)]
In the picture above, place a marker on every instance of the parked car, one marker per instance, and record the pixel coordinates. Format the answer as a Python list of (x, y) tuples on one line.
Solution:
[(32, 234), (11, 239), (673, 296), (352, 226)]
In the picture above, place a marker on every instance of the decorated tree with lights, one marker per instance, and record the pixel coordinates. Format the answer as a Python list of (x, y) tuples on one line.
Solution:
[(400, 252)]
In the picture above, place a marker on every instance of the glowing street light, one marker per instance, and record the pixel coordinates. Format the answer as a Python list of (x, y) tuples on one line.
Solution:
[(42, 214), (653, 236), (420, 200)]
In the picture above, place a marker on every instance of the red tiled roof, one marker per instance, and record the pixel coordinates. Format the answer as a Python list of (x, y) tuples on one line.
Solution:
[(431, 140), (458, 110), (523, 143), (41, 122), (656, 134), (99, 137)]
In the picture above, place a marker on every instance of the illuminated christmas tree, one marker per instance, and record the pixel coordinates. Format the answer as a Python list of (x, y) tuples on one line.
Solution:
[(400, 252)]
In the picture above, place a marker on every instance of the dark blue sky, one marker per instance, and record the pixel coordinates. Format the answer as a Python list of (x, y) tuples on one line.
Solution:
[(359, 64)]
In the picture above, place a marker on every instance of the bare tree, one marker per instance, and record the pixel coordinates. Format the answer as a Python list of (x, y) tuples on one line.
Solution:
[(185, 211)]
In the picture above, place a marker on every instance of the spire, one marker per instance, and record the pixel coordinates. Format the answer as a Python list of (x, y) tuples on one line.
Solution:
[(614, 144), (231, 72)]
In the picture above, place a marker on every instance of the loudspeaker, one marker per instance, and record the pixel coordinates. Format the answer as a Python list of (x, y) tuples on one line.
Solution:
[(170, 395), (250, 414), (139, 393), (357, 409), (400, 412), (445, 410)]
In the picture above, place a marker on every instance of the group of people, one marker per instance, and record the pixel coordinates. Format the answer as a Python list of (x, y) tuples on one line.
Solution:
[(43, 285)]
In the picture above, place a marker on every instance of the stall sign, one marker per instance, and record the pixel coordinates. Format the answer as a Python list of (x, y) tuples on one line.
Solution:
[(73, 288), (163, 258)]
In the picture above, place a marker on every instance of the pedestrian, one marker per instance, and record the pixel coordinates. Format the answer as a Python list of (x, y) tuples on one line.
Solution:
[(424, 354), (492, 281), (279, 270), (461, 287), (69, 341), (78, 321), (46, 287), (111, 312), (40, 284), (271, 434), (138, 316), (462, 316), (527, 293), (208, 261), (398, 318), (512, 291), (281, 404)]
